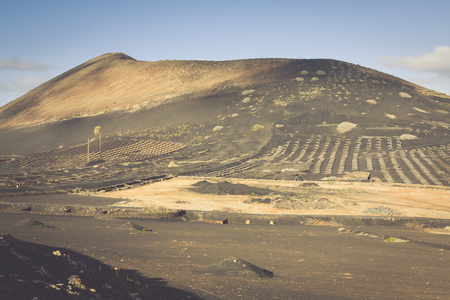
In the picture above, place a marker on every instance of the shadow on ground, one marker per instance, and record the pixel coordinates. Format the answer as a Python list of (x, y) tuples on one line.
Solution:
[(33, 270)]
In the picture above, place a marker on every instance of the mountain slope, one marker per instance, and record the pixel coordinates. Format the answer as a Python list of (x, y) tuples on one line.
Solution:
[(265, 118), (118, 82)]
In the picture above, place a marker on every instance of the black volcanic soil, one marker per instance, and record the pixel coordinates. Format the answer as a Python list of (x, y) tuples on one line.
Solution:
[(32, 271), (308, 262), (320, 120), (271, 119), (227, 188)]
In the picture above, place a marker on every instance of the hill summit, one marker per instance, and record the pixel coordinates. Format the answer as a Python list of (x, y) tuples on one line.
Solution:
[(265, 118), (118, 82)]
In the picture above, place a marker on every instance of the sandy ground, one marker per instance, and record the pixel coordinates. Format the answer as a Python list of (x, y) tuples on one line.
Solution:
[(353, 198)]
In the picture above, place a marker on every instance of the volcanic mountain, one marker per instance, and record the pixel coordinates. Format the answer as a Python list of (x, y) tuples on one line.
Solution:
[(317, 119)]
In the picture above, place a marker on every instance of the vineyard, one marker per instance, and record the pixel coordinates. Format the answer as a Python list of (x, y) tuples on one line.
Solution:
[(269, 119), (113, 150), (325, 158), (331, 157)]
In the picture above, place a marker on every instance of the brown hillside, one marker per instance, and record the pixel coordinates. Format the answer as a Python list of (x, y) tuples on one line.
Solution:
[(116, 81), (296, 119)]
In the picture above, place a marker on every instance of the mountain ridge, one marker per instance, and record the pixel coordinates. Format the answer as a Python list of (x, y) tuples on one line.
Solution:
[(103, 77), (292, 119), (118, 82)]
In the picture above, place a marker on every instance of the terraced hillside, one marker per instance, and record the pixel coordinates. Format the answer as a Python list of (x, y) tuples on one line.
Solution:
[(113, 150), (330, 158), (314, 119)]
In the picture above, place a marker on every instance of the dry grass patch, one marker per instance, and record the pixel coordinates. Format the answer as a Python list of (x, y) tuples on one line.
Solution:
[(320, 222)]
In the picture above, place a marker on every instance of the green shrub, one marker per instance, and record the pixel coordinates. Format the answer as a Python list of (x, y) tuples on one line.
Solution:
[(78, 190), (257, 127), (392, 239)]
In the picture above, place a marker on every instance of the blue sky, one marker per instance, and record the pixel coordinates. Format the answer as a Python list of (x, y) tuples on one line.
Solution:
[(42, 39)]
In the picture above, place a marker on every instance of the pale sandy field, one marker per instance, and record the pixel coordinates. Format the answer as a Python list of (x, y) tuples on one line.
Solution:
[(353, 198)]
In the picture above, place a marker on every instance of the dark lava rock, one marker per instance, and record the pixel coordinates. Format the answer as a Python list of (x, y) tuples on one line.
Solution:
[(259, 200), (132, 226), (32, 223), (236, 267), (227, 188), (309, 184)]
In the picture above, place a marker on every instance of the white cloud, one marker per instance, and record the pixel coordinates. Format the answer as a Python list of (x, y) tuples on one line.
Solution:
[(23, 84), (437, 83), (17, 64), (436, 62)]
